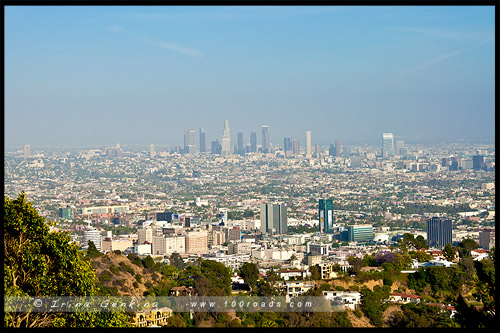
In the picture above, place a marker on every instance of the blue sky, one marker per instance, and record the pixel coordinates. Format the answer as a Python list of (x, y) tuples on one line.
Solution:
[(140, 75)]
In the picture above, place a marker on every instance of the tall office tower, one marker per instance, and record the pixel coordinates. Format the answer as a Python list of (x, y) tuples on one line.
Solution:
[(400, 144), (273, 218), (287, 144), (216, 147), (253, 142), (455, 163), (226, 140), (439, 232), (331, 150), (265, 139), (203, 146), (27, 151), (478, 162), (337, 148), (189, 141), (325, 215), (152, 152), (317, 151), (295, 146), (241, 149), (387, 145), (308, 144), (487, 238)]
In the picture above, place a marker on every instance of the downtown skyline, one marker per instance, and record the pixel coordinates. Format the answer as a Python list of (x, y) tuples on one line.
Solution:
[(141, 75)]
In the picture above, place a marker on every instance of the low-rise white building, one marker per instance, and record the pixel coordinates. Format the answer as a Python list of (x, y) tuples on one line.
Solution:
[(351, 299)]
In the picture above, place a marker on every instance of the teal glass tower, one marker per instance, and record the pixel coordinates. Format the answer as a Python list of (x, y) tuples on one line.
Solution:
[(325, 215)]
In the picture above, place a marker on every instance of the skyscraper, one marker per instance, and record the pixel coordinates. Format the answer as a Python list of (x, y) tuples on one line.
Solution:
[(216, 147), (189, 141), (295, 146), (478, 162), (27, 151), (387, 145), (337, 148), (253, 142), (308, 144), (287, 144), (265, 139), (203, 146), (152, 152), (399, 145), (273, 218), (331, 150), (226, 140), (439, 232), (325, 215), (240, 143)]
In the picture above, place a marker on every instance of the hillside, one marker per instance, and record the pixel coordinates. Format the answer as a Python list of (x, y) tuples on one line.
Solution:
[(117, 275)]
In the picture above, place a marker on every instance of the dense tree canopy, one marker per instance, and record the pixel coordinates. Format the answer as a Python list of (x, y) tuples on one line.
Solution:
[(38, 262)]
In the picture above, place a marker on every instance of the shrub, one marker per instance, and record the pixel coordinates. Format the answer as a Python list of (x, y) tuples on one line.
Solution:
[(105, 276), (126, 268), (115, 270)]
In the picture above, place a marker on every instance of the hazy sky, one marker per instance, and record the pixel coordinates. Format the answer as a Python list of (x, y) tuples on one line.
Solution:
[(101, 75)]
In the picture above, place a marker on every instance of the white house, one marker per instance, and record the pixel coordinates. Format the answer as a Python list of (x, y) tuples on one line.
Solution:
[(350, 299)]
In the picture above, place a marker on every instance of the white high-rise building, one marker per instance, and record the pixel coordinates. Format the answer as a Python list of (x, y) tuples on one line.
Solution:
[(226, 140), (189, 141), (27, 151), (308, 144), (387, 145), (266, 144), (152, 152)]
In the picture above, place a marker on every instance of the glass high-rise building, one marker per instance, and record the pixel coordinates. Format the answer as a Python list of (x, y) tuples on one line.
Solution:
[(400, 144), (226, 140), (253, 142), (265, 139), (203, 145), (287, 144), (325, 215), (240, 143), (189, 141), (439, 232), (387, 145), (478, 162), (273, 218), (295, 146), (337, 147), (308, 144)]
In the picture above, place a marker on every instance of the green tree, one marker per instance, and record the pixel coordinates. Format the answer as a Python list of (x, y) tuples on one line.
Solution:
[(176, 261), (421, 316), (250, 274), (149, 262), (315, 273), (219, 276), (92, 251), (449, 252), (38, 262), (466, 246)]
